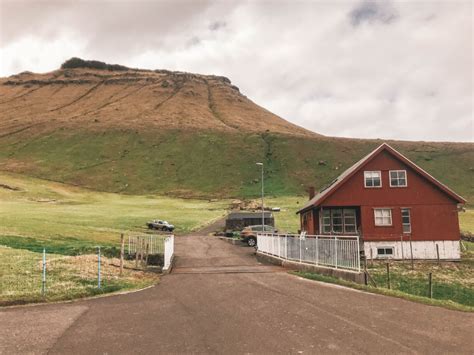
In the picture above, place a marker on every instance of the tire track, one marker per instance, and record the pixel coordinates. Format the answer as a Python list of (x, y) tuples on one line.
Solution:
[(21, 95), (20, 130), (113, 101), (178, 88), (79, 98), (213, 109)]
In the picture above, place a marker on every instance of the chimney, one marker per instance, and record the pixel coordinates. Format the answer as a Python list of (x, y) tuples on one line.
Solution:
[(311, 192)]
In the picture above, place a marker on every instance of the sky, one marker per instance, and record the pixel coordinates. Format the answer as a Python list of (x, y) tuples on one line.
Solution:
[(362, 69)]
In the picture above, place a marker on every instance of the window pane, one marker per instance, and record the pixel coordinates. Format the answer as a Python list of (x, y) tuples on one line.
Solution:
[(337, 228), (326, 229), (394, 182), (349, 228), (393, 175), (388, 251), (406, 228), (349, 220), (376, 181)]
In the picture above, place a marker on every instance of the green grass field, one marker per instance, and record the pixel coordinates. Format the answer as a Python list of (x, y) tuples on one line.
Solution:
[(466, 220), (64, 219), (70, 221)]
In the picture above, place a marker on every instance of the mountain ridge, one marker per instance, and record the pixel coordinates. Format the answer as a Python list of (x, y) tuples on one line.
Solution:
[(144, 132)]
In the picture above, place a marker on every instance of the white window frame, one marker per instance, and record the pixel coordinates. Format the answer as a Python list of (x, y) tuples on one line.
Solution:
[(397, 171), (327, 221), (409, 220), (384, 255), (390, 217), (365, 179), (324, 220)]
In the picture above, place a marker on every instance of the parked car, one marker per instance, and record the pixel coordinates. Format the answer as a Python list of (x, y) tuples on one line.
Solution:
[(249, 234), (160, 225)]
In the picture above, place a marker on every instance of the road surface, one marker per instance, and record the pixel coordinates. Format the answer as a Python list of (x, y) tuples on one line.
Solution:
[(219, 299)]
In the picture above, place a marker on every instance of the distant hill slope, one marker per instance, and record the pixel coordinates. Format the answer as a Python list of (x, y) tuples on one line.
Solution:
[(140, 131)]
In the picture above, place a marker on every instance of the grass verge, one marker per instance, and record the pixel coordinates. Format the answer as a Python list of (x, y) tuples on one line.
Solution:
[(453, 282), (383, 291)]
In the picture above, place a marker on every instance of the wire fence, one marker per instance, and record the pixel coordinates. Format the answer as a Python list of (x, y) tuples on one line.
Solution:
[(332, 251), (32, 276)]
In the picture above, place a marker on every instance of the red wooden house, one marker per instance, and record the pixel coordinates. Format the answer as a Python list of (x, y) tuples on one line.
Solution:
[(398, 209)]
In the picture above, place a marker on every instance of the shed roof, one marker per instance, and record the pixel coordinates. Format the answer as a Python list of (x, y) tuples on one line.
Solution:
[(246, 215), (335, 184)]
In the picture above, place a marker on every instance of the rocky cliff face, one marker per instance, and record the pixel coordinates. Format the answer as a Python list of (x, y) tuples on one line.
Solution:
[(99, 99)]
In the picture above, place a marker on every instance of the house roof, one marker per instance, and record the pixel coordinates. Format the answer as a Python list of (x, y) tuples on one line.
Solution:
[(341, 179), (245, 215)]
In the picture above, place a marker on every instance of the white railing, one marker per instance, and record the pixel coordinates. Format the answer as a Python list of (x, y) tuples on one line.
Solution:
[(332, 251), (169, 251), (153, 244)]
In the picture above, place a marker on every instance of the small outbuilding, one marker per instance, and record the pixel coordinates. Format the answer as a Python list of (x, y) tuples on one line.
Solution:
[(240, 220), (398, 210)]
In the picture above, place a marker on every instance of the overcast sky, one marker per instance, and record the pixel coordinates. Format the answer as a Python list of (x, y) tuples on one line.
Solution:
[(369, 69)]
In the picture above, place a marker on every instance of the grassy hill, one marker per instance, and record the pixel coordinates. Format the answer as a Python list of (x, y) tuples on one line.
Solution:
[(139, 131)]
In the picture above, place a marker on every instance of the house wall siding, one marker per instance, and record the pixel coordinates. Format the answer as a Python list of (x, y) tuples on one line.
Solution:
[(433, 213), (424, 250)]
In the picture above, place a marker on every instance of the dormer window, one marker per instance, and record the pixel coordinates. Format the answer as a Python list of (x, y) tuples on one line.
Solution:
[(398, 178), (372, 179)]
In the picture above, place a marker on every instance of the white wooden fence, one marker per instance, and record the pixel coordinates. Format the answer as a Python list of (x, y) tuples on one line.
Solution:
[(332, 251), (153, 244)]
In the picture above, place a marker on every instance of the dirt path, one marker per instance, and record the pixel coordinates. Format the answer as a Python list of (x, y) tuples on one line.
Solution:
[(219, 299)]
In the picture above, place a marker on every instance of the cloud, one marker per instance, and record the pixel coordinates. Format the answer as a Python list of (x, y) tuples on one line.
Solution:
[(370, 69), (373, 11)]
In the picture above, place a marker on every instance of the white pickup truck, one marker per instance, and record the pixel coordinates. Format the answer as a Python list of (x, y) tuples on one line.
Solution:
[(160, 225)]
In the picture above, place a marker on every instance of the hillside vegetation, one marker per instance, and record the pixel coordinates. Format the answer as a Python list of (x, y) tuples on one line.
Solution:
[(67, 220), (114, 129)]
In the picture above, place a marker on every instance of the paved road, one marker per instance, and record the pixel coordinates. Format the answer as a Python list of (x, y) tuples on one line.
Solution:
[(219, 299)]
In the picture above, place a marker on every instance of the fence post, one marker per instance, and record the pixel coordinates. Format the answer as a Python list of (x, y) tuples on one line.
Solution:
[(98, 269), (146, 254), (358, 255), (317, 250), (437, 252), (43, 283), (137, 239), (299, 239), (122, 247), (430, 285), (388, 276), (335, 250)]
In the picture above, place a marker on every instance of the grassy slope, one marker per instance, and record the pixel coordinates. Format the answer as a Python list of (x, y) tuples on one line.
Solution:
[(185, 163), (65, 219)]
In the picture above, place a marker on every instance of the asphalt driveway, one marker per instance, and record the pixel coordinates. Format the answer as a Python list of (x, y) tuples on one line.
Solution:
[(219, 299)]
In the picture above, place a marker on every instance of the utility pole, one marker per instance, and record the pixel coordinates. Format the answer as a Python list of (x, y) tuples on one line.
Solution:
[(263, 210)]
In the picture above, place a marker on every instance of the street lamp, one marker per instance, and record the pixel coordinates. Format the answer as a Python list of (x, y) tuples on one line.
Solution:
[(263, 211)]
